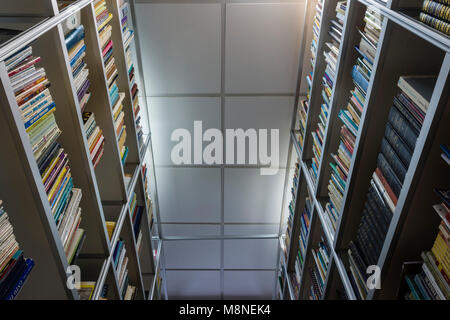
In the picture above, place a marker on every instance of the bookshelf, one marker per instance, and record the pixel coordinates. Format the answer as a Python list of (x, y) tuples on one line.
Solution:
[(413, 226), (110, 188)]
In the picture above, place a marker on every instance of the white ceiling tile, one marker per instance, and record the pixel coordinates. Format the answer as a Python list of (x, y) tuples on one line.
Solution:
[(250, 254), (189, 194), (262, 47), (192, 284), (190, 230), (251, 229), (168, 114), (182, 47), (250, 197), (192, 254), (261, 113), (248, 284)]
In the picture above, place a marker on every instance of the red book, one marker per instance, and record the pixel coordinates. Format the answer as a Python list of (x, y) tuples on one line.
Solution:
[(107, 47), (386, 186), (28, 63)]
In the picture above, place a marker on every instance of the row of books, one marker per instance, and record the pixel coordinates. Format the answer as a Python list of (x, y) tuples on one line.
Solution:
[(14, 268), (103, 17), (302, 114), (76, 48), (432, 279), (148, 199), (136, 212), (120, 262), (402, 129), (291, 208), (128, 36), (319, 271), (351, 116), (331, 57), (314, 44), (436, 14), (37, 108), (305, 228), (95, 138)]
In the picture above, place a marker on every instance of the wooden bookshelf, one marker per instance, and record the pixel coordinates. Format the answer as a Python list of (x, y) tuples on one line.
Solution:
[(106, 193), (406, 47)]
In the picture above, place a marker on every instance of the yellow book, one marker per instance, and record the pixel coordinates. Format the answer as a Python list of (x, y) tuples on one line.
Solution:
[(56, 183), (122, 139), (50, 112), (49, 169), (105, 22), (75, 49), (86, 290)]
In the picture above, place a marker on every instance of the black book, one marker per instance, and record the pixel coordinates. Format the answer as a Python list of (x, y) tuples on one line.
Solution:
[(378, 230), (415, 125), (367, 250), (389, 174), (355, 288), (393, 159), (378, 214), (380, 202), (370, 242), (403, 127), (398, 144), (360, 262), (13, 276), (369, 229), (48, 157)]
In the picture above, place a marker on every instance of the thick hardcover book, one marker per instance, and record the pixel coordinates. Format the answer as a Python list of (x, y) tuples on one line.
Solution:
[(398, 144), (402, 127), (418, 88), (389, 174), (416, 125), (374, 219), (393, 160), (378, 205)]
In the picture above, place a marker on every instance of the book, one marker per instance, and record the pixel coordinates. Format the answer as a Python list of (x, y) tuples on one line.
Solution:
[(418, 88)]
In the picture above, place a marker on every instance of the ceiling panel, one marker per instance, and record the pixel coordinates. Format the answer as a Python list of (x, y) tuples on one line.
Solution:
[(262, 47), (192, 254), (189, 194), (250, 254), (262, 113), (250, 197), (190, 230), (189, 284), (248, 284), (168, 114), (184, 43)]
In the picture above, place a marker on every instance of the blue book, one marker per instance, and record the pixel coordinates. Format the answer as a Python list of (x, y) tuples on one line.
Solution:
[(445, 149), (364, 56), (43, 112), (117, 253), (359, 79), (77, 56), (74, 37), (29, 264)]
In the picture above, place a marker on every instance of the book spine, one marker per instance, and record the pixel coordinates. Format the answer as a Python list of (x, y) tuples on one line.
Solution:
[(435, 23), (76, 36), (393, 160), (412, 121), (389, 174), (13, 293), (359, 78), (437, 9), (402, 127)]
